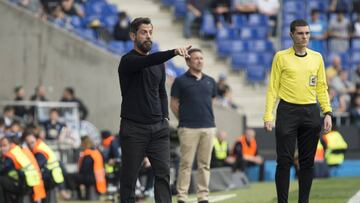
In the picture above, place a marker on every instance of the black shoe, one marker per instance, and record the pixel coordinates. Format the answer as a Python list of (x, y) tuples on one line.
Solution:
[(180, 201), (204, 201)]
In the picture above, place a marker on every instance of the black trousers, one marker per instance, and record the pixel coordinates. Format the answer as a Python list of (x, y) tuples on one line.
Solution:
[(139, 140), (301, 124), (11, 190)]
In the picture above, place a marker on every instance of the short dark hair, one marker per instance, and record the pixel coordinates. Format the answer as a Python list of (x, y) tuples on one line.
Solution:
[(54, 110), (192, 51), (70, 90), (8, 108), (313, 11), (296, 23), (137, 22)]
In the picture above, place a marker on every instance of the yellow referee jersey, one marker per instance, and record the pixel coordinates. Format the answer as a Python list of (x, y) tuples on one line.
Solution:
[(297, 80)]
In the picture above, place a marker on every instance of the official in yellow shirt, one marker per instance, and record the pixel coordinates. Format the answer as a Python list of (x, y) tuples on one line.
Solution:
[(298, 80)]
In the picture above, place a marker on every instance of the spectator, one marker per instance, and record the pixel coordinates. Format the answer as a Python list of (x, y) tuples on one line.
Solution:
[(318, 29), (221, 8), (335, 148), (334, 69), (271, 9), (355, 77), (91, 169), (2, 127), (224, 92), (195, 10), (339, 6), (338, 102), (355, 31), (101, 33), (339, 33), (245, 6), (342, 84), (15, 131), (69, 96), (59, 18), (53, 127), (49, 5), (355, 111), (71, 9), (20, 111), (49, 164), (8, 115), (354, 95), (110, 151), (122, 27), (222, 86), (246, 153), (221, 152), (39, 94)]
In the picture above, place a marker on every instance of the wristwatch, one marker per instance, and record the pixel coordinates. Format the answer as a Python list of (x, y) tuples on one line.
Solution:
[(328, 113)]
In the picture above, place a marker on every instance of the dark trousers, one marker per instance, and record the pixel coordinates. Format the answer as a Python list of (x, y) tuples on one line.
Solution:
[(139, 140), (301, 124), (11, 190)]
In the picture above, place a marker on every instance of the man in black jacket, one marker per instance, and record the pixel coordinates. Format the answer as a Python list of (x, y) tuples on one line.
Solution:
[(144, 128)]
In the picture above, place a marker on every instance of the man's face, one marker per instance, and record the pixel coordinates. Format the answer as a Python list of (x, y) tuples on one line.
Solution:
[(196, 61), (143, 37), (5, 146), (301, 36), (30, 141), (54, 116)]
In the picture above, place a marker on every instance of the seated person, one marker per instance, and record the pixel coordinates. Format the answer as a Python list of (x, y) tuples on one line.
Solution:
[(53, 127), (91, 169), (122, 28), (245, 6), (246, 153), (110, 151), (221, 8), (220, 154), (18, 173), (48, 162)]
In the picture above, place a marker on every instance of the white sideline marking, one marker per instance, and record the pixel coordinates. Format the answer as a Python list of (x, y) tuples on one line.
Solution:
[(355, 198), (215, 198)]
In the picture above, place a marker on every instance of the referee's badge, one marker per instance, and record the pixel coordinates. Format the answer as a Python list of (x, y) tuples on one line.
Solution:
[(313, 80)]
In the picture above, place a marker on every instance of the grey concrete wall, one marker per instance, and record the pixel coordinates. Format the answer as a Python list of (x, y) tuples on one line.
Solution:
[(33, 52)]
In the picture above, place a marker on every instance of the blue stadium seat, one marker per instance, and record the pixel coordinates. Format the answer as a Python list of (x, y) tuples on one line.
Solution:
[(255, 73), (293, 6), (286, 43), (117, 47), (320, 5), (238, 46), (94, 8), (288, 18), (129, 45), (155, 47), (109, 20), (266, 58), (261, 45), (87, 34), (224, 47), (239, 20), (355, 57), (180, 8), (355, 44), (270, 168), (76, 22), (258, 19), (242, 60), (208, 27), (109, 9), (225, 33)]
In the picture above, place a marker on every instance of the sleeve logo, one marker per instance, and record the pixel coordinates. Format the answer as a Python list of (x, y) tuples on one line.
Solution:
[(313, 80)]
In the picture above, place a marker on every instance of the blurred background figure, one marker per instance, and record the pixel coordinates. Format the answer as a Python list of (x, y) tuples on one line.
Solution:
[(221, 152)]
